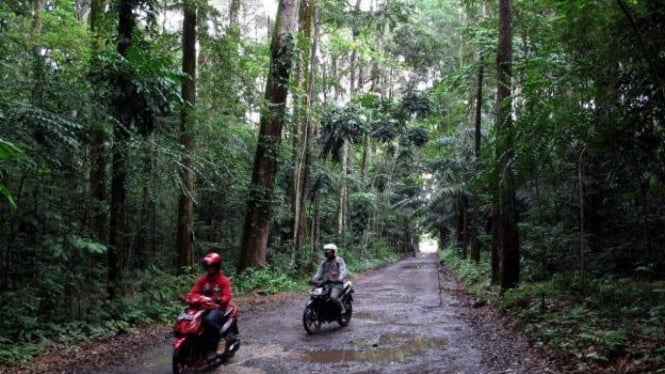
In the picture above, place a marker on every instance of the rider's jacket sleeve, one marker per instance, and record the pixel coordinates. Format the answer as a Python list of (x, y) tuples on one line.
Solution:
[(224, 290), (342, 268), (197, 289)]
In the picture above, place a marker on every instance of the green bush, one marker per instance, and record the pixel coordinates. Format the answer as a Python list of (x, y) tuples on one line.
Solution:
[(268, 280)]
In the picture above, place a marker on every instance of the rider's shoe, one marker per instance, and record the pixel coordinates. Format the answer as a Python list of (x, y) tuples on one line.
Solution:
[(211, 356), (234, 344)]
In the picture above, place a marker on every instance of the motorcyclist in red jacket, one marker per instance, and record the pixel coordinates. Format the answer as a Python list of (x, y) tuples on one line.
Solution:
[(215, 285)]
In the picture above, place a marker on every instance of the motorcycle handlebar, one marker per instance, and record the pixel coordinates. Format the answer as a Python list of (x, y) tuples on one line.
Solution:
[(199, 301)]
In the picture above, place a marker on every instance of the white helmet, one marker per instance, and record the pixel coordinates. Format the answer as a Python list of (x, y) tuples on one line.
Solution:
[(330, 247)]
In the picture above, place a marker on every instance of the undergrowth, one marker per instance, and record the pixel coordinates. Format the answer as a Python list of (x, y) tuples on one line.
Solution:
[(609, 325)]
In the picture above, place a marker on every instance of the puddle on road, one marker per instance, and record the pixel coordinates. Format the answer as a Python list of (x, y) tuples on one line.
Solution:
[(238, 370), (389, 348), (398, 299), (364, 315), (414, 265), (377, 290)]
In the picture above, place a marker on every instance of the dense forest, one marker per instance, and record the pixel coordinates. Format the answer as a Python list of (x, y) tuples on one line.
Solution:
[(526, 136)]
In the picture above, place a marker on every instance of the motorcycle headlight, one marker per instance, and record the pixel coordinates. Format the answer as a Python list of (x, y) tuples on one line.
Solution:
[(317, 291)]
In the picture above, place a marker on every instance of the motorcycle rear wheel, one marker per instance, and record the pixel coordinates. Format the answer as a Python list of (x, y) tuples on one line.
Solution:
[(344, 319), (310, 321)]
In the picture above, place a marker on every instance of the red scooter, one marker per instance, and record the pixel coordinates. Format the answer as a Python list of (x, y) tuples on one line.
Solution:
[(189, 347)]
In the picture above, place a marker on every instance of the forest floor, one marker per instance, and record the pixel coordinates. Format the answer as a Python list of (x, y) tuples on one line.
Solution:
[(409, 317)]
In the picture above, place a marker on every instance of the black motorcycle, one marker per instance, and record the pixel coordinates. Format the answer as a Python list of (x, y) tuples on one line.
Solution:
[(322, 309)]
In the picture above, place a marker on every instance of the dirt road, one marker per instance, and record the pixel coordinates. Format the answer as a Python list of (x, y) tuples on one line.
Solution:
[(409, 317)]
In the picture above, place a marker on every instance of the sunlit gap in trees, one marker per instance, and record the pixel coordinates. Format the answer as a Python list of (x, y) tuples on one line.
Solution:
[(256, 19), (428, 245)]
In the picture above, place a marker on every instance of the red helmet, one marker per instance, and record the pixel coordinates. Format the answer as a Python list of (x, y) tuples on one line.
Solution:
[(212, 259)]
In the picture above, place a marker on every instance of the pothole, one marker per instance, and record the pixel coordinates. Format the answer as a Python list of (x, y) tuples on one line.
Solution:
[(388, 348)]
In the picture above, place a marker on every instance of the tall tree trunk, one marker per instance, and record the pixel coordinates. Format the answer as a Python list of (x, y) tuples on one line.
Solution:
[(581, 178), (316, 231), (123, 108), (364, 160), (354, 53), (38, 61), (462, 226), (310, 17), (312, 133), (343, 191), (495, 255), (342, 208), (475, 224), (185, 235), (259, 207), (232, 62), (144, 247), (374, 87), (234, 15), (508, 233), (479, 105), (299, 126), (98, 139)]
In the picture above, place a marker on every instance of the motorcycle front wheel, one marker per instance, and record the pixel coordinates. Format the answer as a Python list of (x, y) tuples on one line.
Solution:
[(344, 319), (183, 359), (310, 321)]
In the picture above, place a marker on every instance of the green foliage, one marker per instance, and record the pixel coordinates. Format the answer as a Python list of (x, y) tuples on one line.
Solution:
[(474, 275), (7, 151), (378, 254), (13, 354), (386, 124), (418, 136), (363, 206), (339, 125), (32, 318), (417, 103), (615, 317), (600, 329), (265, 280)]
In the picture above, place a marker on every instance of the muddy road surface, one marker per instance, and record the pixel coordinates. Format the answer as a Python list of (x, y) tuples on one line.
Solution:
[(409, 317)]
